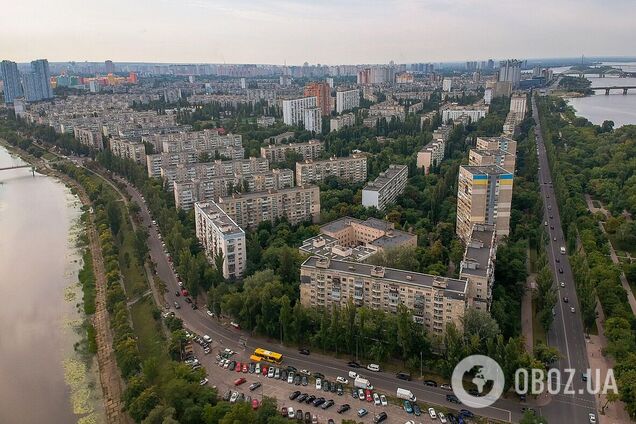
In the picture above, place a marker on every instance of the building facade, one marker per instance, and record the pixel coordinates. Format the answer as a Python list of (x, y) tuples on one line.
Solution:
[(11, 81), (37, 83), (497, 143), (342, 121), (484, 196), (277, 152), (352, 169), (386, 188), (433, 301), (297, 204), (478, 266), (303, 111), (220, 235), (502, 158), (431, 155), (322, 92), (347, 100), (127, 149)]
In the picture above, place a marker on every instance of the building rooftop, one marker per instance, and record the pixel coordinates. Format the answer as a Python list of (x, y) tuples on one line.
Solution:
[(454, 288), (486, 170), (213, 212), (478, 250), (384, 177), (327, 247)]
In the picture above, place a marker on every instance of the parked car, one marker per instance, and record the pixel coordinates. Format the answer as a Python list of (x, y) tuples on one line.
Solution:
[(452, 399), (302, 397), (304, 380), (343, 408), (403, 375), (310, 399), (328, 404), (290, 412), (342, 380), (303, 351), (382, 416), (383, 400), (318, 384), (408, 407), (373, 367), (362, 412), (353, 364), (176, 305), (290, 378), (432, 413), (294, 395), (416, 410), (442, 418), (376, 399), (254, 386), (255, 404), (319, 401), (239, 381), (430, 383), (227, 395), (234, 397), (446, 387), (270, 372)]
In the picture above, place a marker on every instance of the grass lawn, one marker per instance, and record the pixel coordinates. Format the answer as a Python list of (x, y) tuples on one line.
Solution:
[(150, 338), (538, 334), (132, 271)]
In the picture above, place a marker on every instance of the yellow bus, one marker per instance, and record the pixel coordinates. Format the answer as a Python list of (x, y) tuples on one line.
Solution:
[(266, 355)]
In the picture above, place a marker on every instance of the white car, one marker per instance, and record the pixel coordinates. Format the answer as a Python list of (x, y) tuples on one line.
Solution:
[(203, 382), (257, 370), (572, 309), (383, 400), (562, 284), (432, 414), (342, 380), (207, 339), (592, 418), (373, 367), (304, 371), (442, 418), (210, 313), (234, 397), (376, 399), (290, 412), (270, 372), (227, 364), (290, 377), (318, 384)]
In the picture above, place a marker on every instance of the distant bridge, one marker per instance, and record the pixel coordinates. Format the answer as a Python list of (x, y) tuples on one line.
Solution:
[(615, 87), (6, 168)]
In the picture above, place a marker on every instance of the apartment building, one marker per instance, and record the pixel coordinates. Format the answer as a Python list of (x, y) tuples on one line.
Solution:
[(352, 169), (158, 163), (511, 124), (303, 110), (502, 158), (277, 152), (454, 111), (355, 240), (208, 141), (127, 149), (280, 138), (478, 266), (297, 204), (386, 188), (518, 103), (484, 195), (442, 132), (89, 136), (497, 143), (228, 168), (388, 109), (322, 92), (265, 121), (187, 192), (433, 301), (342, 121), (220, 235), (431, 155), (347, 100)]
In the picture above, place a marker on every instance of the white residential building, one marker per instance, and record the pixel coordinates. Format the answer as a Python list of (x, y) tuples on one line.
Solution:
[(447, 84), (386, 188), (302, 111), (342, 121), (220, 235), (352, 169), (518, 104), (431, 154), (347, 100), (126, 149)]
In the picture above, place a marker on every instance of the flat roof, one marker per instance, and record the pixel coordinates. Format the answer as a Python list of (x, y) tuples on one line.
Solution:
[(218, 216), (455, 288), (358, 253), (486, 170), (478, 250), (391, 172)]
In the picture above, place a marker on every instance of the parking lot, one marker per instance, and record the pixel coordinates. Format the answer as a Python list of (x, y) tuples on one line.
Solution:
[(224, 380)]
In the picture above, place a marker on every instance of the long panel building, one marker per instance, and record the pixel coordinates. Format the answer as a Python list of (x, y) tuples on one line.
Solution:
[(351, 169), (434, 301), (311, 149), (386, 188)]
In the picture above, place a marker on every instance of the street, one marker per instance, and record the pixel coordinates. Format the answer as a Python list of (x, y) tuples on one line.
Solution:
[(567, 333)]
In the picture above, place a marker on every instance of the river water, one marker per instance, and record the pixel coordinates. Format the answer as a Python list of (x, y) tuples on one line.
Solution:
[(616, 107), (42, 378)]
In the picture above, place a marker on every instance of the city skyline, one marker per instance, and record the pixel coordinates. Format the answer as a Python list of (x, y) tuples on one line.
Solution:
[(294, 32)]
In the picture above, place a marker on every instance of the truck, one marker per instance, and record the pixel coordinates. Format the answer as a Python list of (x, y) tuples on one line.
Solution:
[(405, 394), (362, 383), (562, 250)]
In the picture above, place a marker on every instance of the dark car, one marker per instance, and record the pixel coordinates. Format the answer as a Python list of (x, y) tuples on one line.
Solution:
[(416, 410), (310, 399), (344, 408), (452, 399), (430, 383), (325, 386), (566, 300), (557, 260), (451, 418), (188, 300), (560, 270), (303, 351), (318, 401), (227, 395), (340, 389), (294, 395), (403, 376), (304, 380), (328, 404), (319, 375), (302, 397), (299, 415), (231, 366), (380, 417), (330, 421), (307, 418), (254, 386), (292, 369), (252, 367), (333, 388), (353, 364), (354, 393), (177, 293), (283, 375), (466, 413), (297, 380)]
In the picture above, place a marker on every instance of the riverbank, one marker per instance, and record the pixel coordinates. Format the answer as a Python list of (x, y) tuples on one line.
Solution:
[(111, 383)]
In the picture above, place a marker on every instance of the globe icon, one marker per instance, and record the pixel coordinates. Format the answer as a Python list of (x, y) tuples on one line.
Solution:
[(485, 370)]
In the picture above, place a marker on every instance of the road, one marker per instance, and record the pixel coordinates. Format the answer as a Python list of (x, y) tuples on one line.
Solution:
[(199, 322), (567, 333)]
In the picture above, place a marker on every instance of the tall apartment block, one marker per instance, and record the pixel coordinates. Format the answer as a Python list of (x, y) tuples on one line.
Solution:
[(502, 158), (220, 235), (510, 71), (497, 143), (386, 188), (484, 195), (303, 110), (518, 103), (297, 204), (277, 152), (351, 169), (181, 171), (347, 100), (431, 155), (91, 137), (127, 149), (454, 112), (11, 80), (434, 301), (37, 83), (478, 266), (322, 92), (187, 192)]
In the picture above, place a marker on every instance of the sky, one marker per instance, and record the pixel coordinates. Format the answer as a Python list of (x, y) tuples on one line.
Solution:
[(314, 31)]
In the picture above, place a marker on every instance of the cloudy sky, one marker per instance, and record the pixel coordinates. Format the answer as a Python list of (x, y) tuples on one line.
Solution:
[(316, 31)]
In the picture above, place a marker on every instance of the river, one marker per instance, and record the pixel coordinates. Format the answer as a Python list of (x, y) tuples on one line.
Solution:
[(616, 107), (42, 378)]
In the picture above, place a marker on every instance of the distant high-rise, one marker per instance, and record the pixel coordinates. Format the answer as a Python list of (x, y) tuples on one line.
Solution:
[(510, 71), (322, 92), (11, 79), (37, 83), (109, 66)]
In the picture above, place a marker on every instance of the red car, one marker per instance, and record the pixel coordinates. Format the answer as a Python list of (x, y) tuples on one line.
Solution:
[(239, 381), (185, 292), (238, 367), (264, 370), (368, 395), (244, 367), (255, 404)]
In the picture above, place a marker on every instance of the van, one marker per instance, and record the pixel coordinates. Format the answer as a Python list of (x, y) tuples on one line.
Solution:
[(353, 374)]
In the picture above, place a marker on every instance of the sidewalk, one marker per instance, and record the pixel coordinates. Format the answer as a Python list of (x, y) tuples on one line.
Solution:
[(526, 314)]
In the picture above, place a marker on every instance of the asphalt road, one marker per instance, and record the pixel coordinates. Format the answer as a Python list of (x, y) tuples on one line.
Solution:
[(199, 322), (567, 333)]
